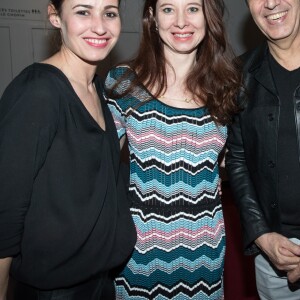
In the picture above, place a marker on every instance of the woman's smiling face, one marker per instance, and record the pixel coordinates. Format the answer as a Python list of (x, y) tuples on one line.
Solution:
[(180, 24), (89, 28)]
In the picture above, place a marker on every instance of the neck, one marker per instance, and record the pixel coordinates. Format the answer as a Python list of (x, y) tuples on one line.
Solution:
[(76, 70), (177, 69), (286, 53), (180, 63)]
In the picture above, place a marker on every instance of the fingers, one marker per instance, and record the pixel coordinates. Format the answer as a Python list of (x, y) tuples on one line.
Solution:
[(285, 260), (288, 258), (294, 275), (285, 252), (282, 264), (281, 251), (291, 247)]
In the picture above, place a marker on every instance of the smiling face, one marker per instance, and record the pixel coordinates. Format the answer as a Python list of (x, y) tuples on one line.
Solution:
[(89, 28), (181, 24), (277, 19)]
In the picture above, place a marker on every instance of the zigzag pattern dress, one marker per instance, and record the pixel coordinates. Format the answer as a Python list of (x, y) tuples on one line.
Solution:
[(177, 212)]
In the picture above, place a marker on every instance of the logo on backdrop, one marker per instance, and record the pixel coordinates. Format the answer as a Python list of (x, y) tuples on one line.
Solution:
[(30, 14), (23, 10)]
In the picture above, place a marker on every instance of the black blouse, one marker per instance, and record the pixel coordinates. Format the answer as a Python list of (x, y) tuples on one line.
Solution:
[(60, 216)]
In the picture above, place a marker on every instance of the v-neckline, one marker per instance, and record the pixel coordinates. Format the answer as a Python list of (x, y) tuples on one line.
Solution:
[(90, 117)]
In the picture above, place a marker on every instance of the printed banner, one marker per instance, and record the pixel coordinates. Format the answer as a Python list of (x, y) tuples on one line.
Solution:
[(24, 9)]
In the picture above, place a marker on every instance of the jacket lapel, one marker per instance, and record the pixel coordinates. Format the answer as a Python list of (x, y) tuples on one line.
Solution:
[(260, 69)]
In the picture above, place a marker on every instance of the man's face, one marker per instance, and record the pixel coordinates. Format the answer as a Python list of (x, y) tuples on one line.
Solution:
[(279, 20)]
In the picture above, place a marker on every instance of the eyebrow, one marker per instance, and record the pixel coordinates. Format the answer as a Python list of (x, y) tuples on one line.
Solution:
[(90, 6), (171, 4), (82, 5), (111, 6), (196, 3)]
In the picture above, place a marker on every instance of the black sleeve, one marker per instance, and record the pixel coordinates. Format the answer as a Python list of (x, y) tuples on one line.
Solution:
[(252, 217), (29, 111)]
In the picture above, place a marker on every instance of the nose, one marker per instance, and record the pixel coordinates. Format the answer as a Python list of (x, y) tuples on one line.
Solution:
[(271, 4), (181, 20), (98, 25)]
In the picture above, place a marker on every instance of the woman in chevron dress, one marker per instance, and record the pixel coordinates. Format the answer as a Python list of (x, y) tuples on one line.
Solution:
[(173, 102)]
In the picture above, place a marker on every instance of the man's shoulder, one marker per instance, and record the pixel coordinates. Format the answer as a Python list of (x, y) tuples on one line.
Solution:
[(253, 56)]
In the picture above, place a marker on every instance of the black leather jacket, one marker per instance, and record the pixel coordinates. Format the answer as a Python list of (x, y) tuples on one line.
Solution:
[(252, 143)]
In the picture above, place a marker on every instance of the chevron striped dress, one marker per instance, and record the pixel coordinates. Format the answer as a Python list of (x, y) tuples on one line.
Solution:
[(180, 246)]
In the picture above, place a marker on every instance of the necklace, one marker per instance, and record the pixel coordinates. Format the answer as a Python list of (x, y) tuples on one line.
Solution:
[(186, 100)]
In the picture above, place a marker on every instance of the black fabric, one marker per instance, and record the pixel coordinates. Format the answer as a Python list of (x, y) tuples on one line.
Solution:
[(94, 289), (287, 154), (251, 160), (64, 215)]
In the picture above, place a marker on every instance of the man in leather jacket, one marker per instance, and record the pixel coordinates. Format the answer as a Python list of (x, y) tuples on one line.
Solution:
[(263, 159)]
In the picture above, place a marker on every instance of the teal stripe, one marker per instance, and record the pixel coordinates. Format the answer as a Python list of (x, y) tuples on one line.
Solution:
[(168, 158), (148, 282), (194, 226), (183, 263), (192, 255), (192, 180)]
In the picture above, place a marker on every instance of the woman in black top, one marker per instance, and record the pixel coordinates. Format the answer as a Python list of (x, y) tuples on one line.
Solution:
[(63, 225)]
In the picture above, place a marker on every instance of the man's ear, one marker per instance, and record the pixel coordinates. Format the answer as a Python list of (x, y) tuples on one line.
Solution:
[(53, 16)]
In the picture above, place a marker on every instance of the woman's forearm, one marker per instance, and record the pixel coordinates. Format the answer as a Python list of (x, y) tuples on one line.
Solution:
[(4, 275)]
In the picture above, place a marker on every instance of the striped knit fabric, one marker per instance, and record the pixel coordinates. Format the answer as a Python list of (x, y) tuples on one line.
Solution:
[(180, 247)]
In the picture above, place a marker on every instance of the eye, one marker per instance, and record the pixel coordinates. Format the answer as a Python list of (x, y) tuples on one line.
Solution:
[(167, 10), (82, 12), (193, 9), (111, 14)]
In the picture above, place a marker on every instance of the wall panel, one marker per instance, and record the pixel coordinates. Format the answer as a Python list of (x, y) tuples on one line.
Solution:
[(6, 59)]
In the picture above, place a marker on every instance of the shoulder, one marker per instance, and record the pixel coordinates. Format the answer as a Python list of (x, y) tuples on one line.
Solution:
[(36, 79), (119, 79), (253, 57), (119, 71), (37, 88)]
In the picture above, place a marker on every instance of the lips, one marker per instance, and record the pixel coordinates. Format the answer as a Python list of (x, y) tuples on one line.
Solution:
[(97, 42), (182, 35), (276, 16)]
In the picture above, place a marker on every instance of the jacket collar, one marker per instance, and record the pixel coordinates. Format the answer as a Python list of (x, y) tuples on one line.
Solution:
[(260, 68)]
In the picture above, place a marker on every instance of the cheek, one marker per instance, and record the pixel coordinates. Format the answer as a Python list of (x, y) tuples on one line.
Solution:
[(254, 11), (117, 28), (201, 28), (64, 33), (164, 31), (73, 27), (165, 22), (202, 23), (113, 26), (163, 35)]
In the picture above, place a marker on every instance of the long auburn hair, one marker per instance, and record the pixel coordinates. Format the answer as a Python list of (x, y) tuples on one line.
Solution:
[(214, 79)]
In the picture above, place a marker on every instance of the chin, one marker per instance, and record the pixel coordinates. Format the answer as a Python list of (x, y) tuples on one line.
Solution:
[(94, 60), (185, 50)]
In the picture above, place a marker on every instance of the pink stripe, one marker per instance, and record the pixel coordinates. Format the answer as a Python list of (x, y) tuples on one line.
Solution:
[(191, 235), (154, 137)]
